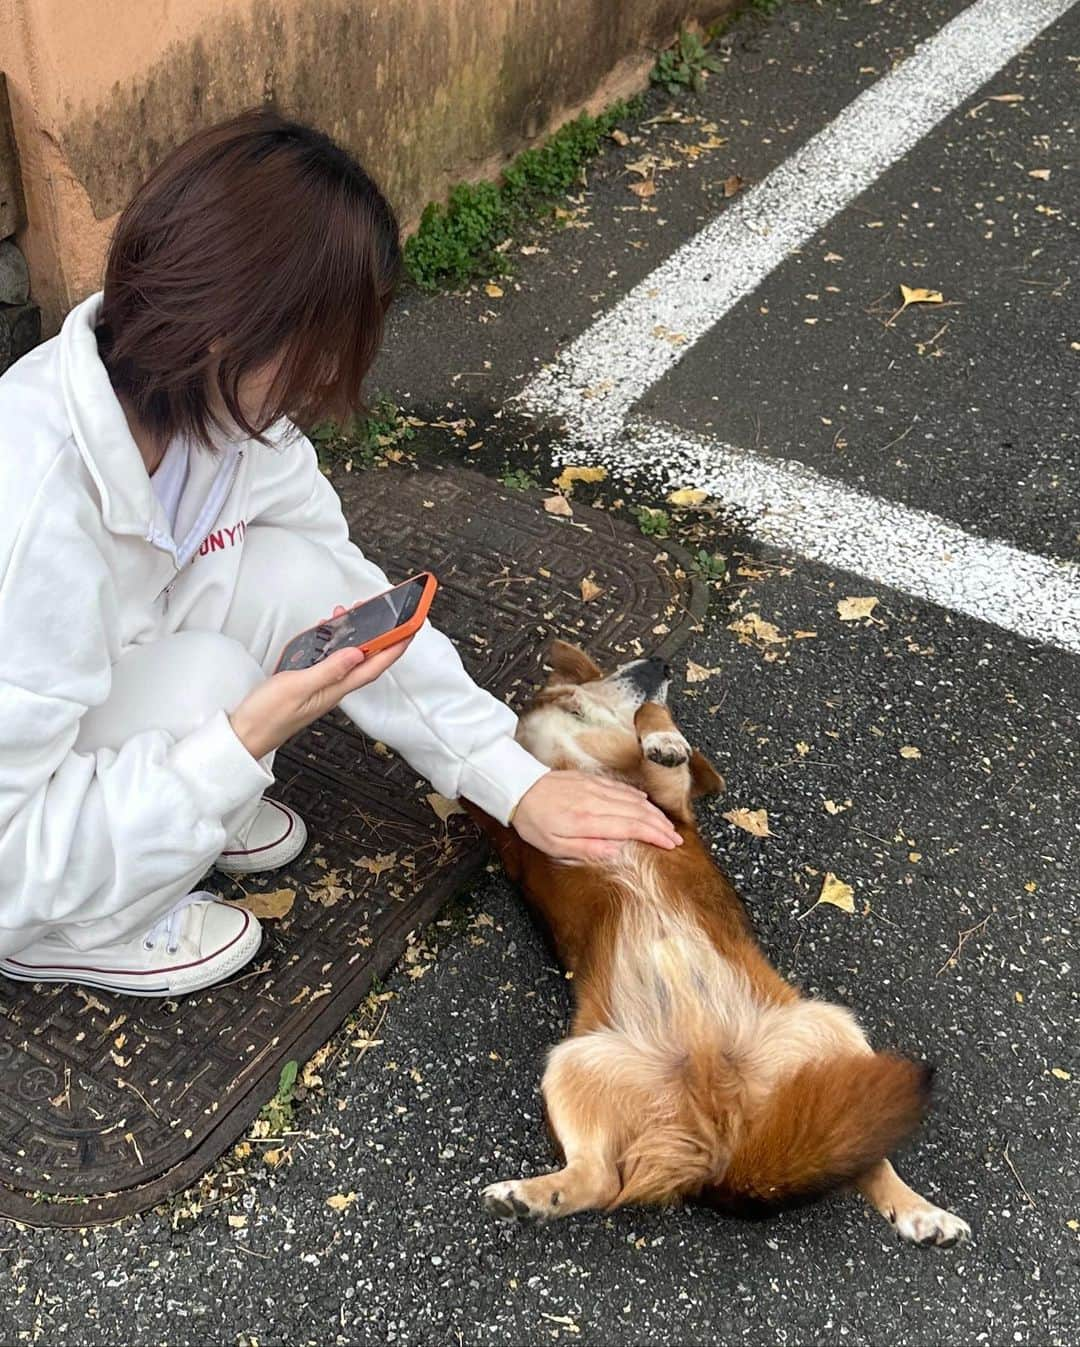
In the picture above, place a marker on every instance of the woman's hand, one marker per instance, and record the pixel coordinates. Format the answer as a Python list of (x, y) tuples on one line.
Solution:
[(288, 702), (576, 816)]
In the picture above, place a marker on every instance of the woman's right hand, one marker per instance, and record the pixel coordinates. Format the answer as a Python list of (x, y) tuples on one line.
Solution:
[(288, 702)]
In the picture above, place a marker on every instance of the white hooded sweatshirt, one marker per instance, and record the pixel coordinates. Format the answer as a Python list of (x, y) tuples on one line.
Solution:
[(88, 565)]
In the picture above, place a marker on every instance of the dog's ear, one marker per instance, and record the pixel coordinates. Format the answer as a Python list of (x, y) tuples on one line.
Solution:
[(704, 778), (505, 840), (571, 664)]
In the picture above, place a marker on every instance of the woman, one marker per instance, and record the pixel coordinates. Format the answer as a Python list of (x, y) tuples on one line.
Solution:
[(165, 530)]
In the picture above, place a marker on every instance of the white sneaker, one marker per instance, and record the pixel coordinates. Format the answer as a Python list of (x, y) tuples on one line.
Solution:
[(200, 942), (274, 837)]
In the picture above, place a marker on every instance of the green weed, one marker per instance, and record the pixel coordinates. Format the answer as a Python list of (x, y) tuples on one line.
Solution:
[(458, 240), (653, 523), (278, 1112), (363, 439), (709, 565), (684, 64), (519, 478)]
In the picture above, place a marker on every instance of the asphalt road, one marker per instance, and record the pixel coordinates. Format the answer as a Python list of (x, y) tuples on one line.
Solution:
[(977, 834)]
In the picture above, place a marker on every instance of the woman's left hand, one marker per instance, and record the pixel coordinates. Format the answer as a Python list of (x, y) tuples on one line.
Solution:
[(577, 816)]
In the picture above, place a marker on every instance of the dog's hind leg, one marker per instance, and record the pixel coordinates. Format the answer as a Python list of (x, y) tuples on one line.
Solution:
[(912, 1217), (587, 1110)]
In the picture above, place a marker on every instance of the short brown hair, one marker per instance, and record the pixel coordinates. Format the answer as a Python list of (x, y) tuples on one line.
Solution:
[(262, 238)]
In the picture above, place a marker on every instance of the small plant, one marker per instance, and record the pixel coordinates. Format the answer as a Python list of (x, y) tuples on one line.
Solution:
[(519, 478), (709, 565), (381, 427), (653, 523), (278, 1112), (684, 64), (459, 240), (766, 7)]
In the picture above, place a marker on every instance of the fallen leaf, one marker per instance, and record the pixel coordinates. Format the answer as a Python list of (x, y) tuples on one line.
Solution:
[(1030, 886), (495, 291), (277, 903), (590, 590), (687, 497), (852, 609), (443, 807), (566, 479), (643, 167), (1006, 98), (620, 137), (274, 1157), (752, 821), (643, 189), (910, 751), (733, 185), (328, 889), (831, 807), (378, 865), (558, 505), (237, 1222), (1073, 1225), (915, 295), (697, 673), (802, 748), (835, 892), (341, 1201), (753, 629), (1059, 1073), (1042, 174)]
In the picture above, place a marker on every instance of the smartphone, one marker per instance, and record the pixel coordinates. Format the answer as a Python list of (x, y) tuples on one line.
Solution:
[(372, 625)]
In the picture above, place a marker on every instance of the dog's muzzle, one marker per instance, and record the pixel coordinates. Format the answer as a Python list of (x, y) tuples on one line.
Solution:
[(649, 679)]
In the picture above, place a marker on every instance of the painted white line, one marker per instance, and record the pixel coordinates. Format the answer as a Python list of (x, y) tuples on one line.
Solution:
[(796, 509), (599, 377)]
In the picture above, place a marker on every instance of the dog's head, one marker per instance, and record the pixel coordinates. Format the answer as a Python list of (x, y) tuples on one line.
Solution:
[(615, 725)]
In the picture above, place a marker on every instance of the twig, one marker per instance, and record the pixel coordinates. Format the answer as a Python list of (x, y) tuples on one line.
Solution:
[(962, 939), (1016, 1176)]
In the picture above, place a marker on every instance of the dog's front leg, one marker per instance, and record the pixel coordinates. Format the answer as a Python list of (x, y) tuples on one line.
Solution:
[(913, 1218)]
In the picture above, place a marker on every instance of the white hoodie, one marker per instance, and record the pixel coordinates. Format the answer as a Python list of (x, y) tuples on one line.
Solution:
[(87, 565)]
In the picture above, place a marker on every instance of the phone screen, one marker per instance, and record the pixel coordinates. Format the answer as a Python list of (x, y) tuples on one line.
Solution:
[(356, 627)]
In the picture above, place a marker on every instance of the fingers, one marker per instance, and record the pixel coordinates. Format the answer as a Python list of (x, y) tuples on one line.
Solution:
[(370, 668), (627, 828)]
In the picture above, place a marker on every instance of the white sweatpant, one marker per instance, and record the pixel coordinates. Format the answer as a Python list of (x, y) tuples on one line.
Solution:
[(286, 583)]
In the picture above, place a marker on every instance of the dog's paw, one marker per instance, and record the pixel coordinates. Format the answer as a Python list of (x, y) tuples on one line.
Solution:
[(509, 1201), (930, 1227), (667, 748)]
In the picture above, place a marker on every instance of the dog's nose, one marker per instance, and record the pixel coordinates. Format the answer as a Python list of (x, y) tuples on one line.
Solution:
[(649, 676)]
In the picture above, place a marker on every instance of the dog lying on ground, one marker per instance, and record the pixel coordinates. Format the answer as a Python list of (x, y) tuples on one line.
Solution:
[(693, 1070)]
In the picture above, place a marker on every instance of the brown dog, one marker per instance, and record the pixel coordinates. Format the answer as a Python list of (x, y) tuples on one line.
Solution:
[(693, 1070)]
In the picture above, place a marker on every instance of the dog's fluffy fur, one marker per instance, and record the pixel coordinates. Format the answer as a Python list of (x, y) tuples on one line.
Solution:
[(693, 1070)]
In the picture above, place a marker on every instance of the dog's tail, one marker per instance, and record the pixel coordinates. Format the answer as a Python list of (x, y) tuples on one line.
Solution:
[(821, 1128)]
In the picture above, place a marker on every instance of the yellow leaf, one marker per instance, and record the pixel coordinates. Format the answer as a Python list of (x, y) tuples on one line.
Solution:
[(1042, 174), (831, 807), (687, 497), (590, 590), (328, 889), (910, 751), (238, 1222), (377, 865), (915, 295), (1030, 886), (802, 748), (566, 479), (273, 1157), (835, 892), (620, 137), (697, 673), (752, 821), (852, 609), (277, 903), (341, 1201), (1061, 1075), (753, 629), (644, 189), (495, 291), (1073, 1225), (443, 807), (558, 505)]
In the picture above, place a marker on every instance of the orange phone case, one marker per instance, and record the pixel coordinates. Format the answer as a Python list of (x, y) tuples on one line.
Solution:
[(296, 651)]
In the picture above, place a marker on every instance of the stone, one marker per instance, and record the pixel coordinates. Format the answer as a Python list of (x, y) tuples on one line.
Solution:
[(20, 331), (14, 275)]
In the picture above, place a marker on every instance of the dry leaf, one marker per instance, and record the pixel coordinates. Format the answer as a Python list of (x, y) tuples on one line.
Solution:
[(835, 892), (443, 807), (697, 673), (752, 821), (733, 185), (1006, 98), (910, 751), (643, 166), (1059, 1073), (378, 865), (831, 807), (341, 1201), (802, 748), (273, 1157), (1042, 174), (566, 479), (915, 295), (495, 291), (558, 505), (687, 497), (643, 189), (237, 1222), (620, 137), (277, 903), (852, 609), (753, 629), (328, 889), (590, 590)]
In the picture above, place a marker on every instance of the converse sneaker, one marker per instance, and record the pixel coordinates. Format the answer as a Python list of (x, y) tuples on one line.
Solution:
[(274, 837), (198, 943)]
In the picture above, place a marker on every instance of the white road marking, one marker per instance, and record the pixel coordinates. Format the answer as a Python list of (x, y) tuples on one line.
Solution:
[(597, 379), (796, 509)]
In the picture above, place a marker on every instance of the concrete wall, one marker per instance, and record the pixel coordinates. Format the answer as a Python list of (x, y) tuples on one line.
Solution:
[(426, 92)]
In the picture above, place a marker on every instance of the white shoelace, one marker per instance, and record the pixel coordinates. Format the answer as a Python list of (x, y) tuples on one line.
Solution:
[(171, 924)]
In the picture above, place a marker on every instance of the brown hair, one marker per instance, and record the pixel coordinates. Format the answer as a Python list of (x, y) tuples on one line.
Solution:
[(256, 239)]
